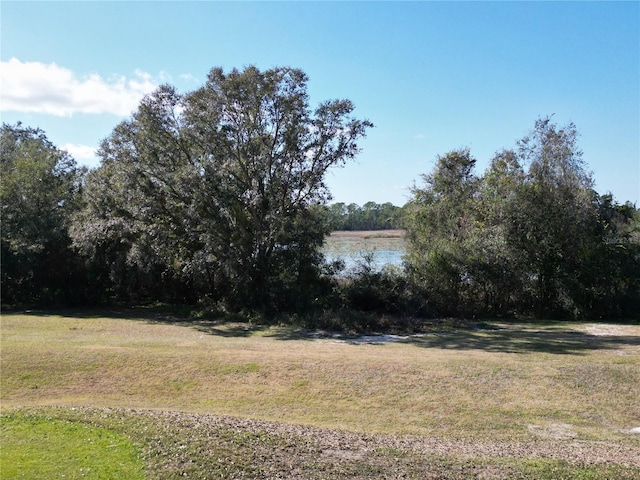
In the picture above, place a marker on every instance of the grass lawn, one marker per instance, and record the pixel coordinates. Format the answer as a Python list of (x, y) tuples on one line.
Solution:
[(536, 400), (45, 447)]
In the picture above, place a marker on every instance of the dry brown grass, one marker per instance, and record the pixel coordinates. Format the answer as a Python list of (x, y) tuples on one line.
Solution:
[(513, 383), (365, 234)]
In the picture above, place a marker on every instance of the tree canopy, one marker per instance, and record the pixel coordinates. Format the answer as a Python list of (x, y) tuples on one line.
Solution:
[(218, 197), (370, 216), (38, 190), (220, 187), (529, 236)]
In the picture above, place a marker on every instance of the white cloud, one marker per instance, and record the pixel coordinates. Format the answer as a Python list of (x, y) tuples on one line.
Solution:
[(79, 152), (48, 88), (187, 77), (84, 155)]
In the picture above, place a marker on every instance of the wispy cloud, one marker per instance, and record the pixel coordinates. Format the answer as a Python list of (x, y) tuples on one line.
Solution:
[(187, 77), (51, 89), (79, 152)]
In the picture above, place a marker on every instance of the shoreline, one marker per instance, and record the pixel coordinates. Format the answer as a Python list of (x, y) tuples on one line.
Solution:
[(365, 234)]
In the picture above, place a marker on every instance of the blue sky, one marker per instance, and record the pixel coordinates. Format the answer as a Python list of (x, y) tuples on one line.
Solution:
[(432, 76)]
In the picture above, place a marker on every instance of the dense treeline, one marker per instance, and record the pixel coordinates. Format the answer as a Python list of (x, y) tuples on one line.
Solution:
[(40, 189), (370, 216), (217, 198), (529, 236), (214, 196)]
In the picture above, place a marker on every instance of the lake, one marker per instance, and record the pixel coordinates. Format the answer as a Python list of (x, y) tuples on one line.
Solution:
[(386, 246)]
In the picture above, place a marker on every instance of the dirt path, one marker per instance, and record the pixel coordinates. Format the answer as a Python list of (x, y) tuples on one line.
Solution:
[(312, 453), (343, 444), (179, 445), (354, 445)]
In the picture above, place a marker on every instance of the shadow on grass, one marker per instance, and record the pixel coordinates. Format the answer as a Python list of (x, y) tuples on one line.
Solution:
[(528, 337), (523, 337), (223, 326)]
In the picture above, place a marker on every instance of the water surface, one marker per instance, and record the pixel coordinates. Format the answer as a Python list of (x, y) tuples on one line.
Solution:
[(386, 247)]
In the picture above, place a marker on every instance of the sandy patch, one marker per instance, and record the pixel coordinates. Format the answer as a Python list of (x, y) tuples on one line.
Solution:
[(604, 330), (361, 340), (376, 339), (553, 431)]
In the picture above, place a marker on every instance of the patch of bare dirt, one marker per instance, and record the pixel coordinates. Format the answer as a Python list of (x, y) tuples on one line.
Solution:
[(177, 445), (604, 330), (552, 441), (553, 431)]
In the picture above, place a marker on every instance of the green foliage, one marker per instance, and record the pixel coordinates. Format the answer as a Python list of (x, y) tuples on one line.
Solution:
[(609, 268), (371, 290), (218, 197), (38, 447), (371, 216), (219, 189), (38, 193), (536, 241), (549, 219), (440, 229)]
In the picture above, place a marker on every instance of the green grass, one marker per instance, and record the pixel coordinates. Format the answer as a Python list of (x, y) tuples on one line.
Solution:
[(192, 446), (543, 384), (43, 447)]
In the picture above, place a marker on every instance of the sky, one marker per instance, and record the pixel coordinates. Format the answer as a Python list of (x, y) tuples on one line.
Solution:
[(431, 76)]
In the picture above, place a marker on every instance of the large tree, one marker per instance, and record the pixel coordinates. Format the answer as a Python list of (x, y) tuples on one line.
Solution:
[(496, 266), (219, 186), (38, 188), (440, 224), (551, 216)]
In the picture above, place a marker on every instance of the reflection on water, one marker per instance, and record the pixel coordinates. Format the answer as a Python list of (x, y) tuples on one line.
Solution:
[(385, 247), (381, 258)]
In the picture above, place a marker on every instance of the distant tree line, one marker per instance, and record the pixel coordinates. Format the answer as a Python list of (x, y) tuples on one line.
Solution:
[(370, 216), (217, 198)]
